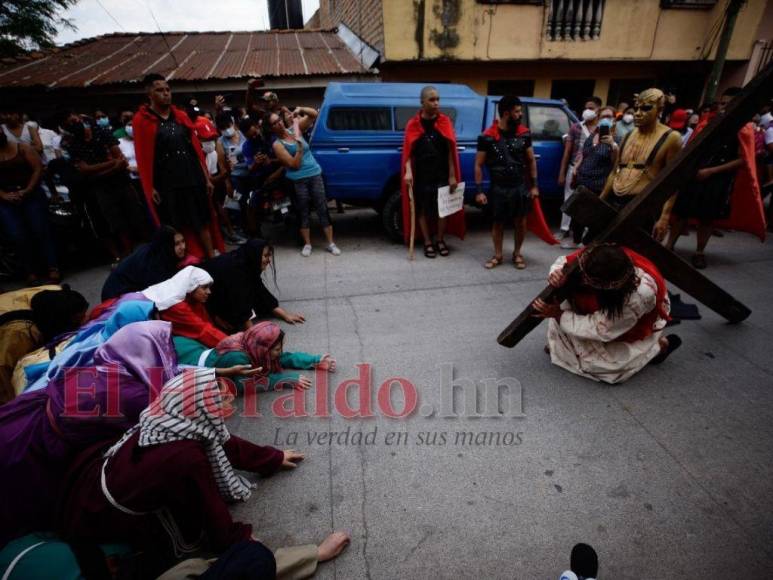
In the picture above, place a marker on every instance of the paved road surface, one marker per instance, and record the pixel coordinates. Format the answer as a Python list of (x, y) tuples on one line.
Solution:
[(668, 475)]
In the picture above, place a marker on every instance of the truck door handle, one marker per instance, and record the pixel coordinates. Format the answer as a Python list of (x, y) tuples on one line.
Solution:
[(537, 156), (400, 148), (461, 148), (343, 150)]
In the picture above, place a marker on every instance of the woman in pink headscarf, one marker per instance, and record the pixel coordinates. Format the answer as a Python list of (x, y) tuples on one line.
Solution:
[(260, 346)]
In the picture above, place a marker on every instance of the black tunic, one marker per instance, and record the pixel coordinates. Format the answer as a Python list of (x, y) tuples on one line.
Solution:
[(430, 167)]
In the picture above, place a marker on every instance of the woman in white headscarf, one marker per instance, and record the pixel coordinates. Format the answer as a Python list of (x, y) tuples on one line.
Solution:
[(180, 300)]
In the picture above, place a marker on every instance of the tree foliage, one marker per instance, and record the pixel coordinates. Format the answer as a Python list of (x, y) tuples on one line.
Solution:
[(31, 24)]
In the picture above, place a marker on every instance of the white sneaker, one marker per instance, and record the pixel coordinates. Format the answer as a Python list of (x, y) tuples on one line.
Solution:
[(333, 249), (568, 244), (306, 251)]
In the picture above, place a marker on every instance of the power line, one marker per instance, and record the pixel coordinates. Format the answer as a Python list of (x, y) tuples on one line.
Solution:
[(102, 6), (168, 48)]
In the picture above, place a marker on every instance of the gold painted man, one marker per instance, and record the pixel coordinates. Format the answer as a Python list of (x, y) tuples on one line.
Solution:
[(643, 154)]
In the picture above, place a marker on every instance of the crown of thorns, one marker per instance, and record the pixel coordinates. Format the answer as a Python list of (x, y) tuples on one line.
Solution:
[(602, 283)]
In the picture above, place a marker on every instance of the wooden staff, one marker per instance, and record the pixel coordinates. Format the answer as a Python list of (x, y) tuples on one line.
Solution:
[(411, 255)]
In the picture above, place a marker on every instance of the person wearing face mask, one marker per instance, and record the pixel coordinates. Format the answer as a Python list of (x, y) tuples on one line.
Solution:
[(624, 125), (505, 149), (124, 117), (573, 143), (126, 144), (102, 120), (219, 174), (598, 157)]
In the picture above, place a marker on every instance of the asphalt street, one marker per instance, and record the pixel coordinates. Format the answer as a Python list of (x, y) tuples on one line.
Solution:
[(667, 476)]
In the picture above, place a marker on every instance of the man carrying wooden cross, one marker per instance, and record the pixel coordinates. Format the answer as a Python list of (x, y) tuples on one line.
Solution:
[(644, 152), (610, 324)]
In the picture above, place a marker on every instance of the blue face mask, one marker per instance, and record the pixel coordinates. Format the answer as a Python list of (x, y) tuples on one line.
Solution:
[(103, 122), (605, 123)]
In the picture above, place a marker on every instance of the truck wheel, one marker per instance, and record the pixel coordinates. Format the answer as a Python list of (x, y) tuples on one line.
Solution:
[(392, 217)]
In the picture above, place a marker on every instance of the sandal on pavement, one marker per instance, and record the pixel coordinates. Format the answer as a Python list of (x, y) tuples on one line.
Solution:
[(519, 262), (674, 342), (429, 250), (493, 262), (442, 248)]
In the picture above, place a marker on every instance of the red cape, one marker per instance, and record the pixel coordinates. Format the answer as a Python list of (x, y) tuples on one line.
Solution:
[(145, 126), (535, 220), (587, 303), (413, 130), (747, 213)]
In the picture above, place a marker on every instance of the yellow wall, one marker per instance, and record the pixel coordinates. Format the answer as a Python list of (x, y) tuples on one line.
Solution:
[(631, 29)]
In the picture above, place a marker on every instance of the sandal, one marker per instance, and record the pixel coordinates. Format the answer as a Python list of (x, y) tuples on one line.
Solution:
[(429, 250), (519, 262), (442, 248), (674, 342), (493, 262)]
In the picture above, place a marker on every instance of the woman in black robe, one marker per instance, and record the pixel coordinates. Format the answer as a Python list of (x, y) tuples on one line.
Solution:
[(239, 294), (147, 265)]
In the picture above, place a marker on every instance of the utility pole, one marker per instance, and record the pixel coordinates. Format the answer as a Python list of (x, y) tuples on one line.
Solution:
[(731, 13)]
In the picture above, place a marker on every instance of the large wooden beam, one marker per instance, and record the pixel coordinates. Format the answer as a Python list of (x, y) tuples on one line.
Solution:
[(651, 200), (589, 210)]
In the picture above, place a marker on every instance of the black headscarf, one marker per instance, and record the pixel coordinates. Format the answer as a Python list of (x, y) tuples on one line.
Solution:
[(149, 264), (57, 311), (238, 289)]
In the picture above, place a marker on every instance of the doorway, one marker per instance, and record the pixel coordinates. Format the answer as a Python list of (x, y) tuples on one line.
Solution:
[(575, 92)]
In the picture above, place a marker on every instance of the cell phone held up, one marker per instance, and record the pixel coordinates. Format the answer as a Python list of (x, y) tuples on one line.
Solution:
[(604, 131)]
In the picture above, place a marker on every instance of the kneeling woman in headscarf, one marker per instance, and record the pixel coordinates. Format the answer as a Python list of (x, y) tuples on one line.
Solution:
[(180, 300), (166, 485), (239, 293), (610, 324), (259, 347), (149, 264)]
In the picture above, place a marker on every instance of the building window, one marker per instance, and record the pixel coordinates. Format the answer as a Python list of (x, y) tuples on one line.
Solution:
[(534, 2), (547, 123), (404, 114), (574, 19), (359, 119), (700, 4), (519, 88)]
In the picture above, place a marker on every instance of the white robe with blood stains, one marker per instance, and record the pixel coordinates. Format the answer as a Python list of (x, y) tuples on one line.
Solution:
[(587, 345)]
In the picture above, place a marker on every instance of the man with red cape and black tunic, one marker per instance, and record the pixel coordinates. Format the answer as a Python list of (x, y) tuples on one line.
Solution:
[(173, 170), (725, 192), (430, 161), (505, 149)]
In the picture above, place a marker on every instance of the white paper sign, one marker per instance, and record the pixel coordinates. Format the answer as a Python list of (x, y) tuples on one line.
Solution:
[(449, 203)]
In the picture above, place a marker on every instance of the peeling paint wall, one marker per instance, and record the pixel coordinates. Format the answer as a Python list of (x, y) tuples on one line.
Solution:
[(631, 29)]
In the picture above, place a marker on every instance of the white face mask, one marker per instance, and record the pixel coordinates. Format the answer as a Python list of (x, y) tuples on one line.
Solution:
[(129, 130), (588, 115), (628, 118), (230, 132), (208, 146)]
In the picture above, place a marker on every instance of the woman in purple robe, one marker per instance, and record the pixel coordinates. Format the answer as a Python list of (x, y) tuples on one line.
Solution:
[(41, 431)]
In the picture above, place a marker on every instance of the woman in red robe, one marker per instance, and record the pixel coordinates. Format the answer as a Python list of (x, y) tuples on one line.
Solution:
[(180, 300)]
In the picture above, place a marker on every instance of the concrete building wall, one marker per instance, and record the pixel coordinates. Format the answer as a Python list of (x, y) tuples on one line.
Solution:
[(631, 29), (364, 17)]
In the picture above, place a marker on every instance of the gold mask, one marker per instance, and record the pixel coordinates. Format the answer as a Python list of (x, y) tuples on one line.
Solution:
[(647, 107)]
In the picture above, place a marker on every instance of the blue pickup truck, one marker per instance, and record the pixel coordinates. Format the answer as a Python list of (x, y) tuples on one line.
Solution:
[(358, 140)]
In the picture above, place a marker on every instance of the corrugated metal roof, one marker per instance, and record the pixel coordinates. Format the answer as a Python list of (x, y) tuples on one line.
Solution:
[(192, 56)]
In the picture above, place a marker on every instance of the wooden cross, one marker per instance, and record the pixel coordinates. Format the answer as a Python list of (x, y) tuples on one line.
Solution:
[(624, 227)]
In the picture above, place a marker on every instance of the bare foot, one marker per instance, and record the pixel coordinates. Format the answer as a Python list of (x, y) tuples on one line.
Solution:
[(333, 545)]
